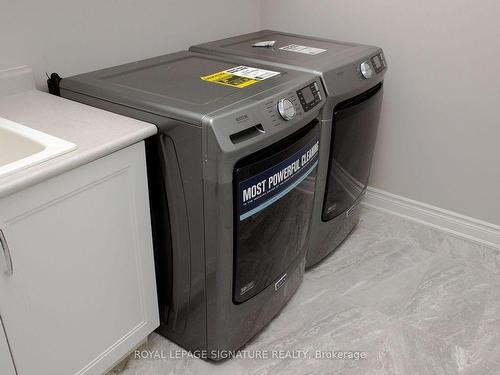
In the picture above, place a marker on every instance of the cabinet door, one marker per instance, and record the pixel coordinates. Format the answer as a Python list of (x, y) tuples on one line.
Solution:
[(6, 364), (82, 292)]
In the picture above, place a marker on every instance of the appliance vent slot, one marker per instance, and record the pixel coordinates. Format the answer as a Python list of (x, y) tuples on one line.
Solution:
[(247, 134)]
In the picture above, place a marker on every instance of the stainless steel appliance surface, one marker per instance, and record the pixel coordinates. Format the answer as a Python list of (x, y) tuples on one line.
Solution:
[(352, 76), (232, 175)]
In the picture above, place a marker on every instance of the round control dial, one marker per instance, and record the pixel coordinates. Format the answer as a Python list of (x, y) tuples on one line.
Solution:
[(366, 69), (286, 109)]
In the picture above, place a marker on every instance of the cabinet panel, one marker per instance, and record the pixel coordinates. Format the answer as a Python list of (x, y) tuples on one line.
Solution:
[(82, 292)]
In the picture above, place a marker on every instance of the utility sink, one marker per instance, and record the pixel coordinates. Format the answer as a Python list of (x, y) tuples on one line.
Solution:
[(22, 147)]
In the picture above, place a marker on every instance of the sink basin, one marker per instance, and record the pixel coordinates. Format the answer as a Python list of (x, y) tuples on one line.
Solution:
[(22, 147)]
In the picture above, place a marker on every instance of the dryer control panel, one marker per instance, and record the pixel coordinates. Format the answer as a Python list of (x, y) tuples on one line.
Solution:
[(374, 65)]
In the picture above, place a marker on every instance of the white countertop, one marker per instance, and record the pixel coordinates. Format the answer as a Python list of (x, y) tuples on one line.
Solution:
[(95, 132)]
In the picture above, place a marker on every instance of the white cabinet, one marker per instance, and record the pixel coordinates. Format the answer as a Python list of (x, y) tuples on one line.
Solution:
[(6, 364), (82, 291)]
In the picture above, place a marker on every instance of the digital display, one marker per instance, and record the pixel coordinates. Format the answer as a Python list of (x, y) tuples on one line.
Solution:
[(378, 63), (308, 94)]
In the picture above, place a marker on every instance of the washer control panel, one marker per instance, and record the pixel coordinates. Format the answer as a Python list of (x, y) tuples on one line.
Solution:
[(309, 96), (286, 109), (293, 105)]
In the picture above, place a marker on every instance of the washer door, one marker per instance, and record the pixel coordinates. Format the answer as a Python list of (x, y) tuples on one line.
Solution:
[(355, 124), (274, 191)]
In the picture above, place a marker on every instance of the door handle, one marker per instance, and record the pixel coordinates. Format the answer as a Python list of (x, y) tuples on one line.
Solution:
[(6, 253)]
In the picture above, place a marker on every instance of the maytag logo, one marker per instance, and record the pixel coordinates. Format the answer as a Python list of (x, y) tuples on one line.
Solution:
[(241, 119), (332, 208), (247, 287), (282, 280), (351, 209)]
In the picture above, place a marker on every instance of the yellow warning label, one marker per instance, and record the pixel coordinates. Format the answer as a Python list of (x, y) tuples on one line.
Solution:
[(228, 79)]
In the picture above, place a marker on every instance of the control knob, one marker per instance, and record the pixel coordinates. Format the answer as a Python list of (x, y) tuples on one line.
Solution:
[(366, 69), (286, 109)]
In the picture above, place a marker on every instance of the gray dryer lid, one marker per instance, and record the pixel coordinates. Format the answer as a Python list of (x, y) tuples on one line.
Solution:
[(293, 51), (176, 85)]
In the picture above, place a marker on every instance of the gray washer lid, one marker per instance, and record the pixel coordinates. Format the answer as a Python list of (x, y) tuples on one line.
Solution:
[(170, 85)]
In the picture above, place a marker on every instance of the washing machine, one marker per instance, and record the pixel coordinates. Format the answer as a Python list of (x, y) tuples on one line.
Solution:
[(352, 76), (232, 175)]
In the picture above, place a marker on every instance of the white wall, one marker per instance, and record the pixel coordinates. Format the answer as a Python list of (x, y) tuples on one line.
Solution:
[(439, 139), (73, 37)]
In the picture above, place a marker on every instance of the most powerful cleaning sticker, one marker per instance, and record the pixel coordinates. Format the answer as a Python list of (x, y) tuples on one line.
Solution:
[(263, 189), (240, 76)]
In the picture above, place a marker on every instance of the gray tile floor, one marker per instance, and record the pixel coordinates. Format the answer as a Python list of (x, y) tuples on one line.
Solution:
[(413, 299)]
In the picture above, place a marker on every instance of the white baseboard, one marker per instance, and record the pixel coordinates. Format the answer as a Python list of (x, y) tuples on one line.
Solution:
[(456, 224)]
